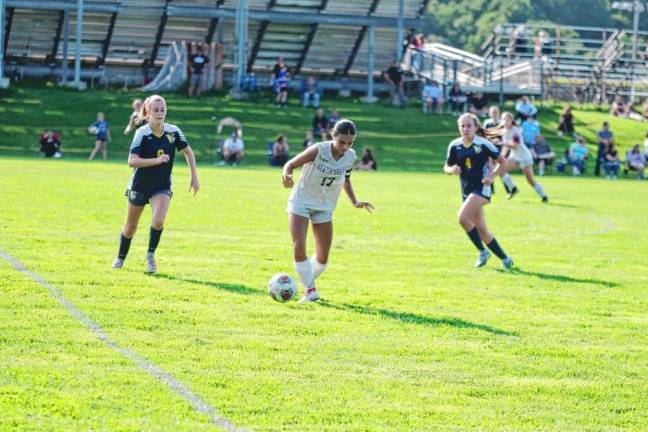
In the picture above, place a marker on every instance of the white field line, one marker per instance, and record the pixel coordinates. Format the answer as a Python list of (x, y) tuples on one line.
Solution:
[(179, 388)]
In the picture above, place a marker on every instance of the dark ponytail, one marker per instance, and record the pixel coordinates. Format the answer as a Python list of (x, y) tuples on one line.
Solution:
[(344, 127)]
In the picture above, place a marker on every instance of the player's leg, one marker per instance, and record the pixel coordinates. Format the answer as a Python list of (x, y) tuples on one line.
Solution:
[(507, 179), (323, 233), (490, 240), (528, 173), (133, 214), (159, 208), (298, 225), (95, 150), (104, 150), (468, 215)]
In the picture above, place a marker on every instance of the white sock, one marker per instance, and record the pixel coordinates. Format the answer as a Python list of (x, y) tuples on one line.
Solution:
[(305, 272), (508, 181), (318, 268), (539, 190)]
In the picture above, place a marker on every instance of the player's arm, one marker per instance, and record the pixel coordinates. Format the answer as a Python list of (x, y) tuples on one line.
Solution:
[(191, 161), (348, 188), (302, 158), (450, 167), (135, 161), (499, 169)]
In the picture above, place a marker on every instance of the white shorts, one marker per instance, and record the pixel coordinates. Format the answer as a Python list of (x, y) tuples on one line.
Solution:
[(316, 216), (523, 163)]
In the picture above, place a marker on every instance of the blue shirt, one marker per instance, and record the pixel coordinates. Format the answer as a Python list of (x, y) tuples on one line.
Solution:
[(102, 130), (530, 130), (148, 146), (472, 160)]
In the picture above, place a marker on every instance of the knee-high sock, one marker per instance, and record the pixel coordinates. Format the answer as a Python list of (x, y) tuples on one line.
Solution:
[(508, 181), (318, 268), (124, 245), (305, 272), (154, 239), (497, 250), (473, 235), (539, 190)]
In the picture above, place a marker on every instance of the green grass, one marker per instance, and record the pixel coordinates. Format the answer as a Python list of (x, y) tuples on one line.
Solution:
[(408, 336)]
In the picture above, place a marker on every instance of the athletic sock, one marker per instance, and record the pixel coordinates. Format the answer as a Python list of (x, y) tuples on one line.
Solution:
[(497, 250), (318, 268), (473, 235), (124, 245), (539, 190), (305, 272), (508, 182), (154, 239)]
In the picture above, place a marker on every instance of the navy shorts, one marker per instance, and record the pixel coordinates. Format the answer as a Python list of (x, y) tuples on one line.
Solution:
[(139, 198), (484, 191)]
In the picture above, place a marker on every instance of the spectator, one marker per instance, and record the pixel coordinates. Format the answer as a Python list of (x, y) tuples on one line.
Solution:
[(578, 153), (432, 97), (636, 161), (542, 154), (102, 136), (368, 162), (276, 68), (310, 90), (416, 49), (566, 122), (611, 162), (50, 144), (308, 139), (538, 44), (198, 60), (494, 120), (280, 149), (530, 131), (333, 118), (394, 77), (632, 114), (233, 149), (133, 121), (457, 99), (605, 137), (282, 80), (618, 108), (646, 146), (478, 104), (525, 108), (320, 124)]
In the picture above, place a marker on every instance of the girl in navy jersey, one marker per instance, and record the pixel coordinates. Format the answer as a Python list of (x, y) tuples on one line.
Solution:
[(326, 171), (152, 154), (468, 158)]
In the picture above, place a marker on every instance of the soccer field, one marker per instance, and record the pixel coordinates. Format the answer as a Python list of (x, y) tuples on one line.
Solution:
[(408, 335)]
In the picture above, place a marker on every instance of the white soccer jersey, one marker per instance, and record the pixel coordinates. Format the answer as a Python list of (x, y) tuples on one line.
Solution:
[(322, 180), (520, 152)]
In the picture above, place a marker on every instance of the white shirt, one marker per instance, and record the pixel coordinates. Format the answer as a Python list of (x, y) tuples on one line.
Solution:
[(321, 181), (233, 145), (520, 151)]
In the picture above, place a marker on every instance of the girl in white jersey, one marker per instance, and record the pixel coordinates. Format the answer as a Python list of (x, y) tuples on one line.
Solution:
[(519, 155), (326, 171)]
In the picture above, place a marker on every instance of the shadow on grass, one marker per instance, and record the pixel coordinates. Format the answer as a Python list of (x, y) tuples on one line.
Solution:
[(412, 318), (233, 288), (560, 278)]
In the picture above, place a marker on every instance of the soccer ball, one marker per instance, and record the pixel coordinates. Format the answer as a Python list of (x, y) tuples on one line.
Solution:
[(93, 130), (282, 287)]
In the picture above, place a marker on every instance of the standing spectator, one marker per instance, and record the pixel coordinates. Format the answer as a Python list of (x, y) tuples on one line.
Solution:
[(525, 108), (50, 144), (233, 149), (578, 152), (566, 121), (478, 104), (310, 90), (542, 154), (494, 120), (417, 47), (432, 97), (276, 68), (611, 162), (308, 139), (282, 80), (636, 161), (394, 77), (457, 99), (102, 136), (320, 124), (198, 60), (368, 162), (134, 120), (605, 137), (538, 44), (279, 151), (530, 131)]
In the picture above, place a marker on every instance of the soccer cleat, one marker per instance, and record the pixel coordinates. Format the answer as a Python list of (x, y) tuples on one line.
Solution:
[(151, 266), (507, 263), (545, 199), (482, 259), (512, 193), (118, 263), (310, 295)]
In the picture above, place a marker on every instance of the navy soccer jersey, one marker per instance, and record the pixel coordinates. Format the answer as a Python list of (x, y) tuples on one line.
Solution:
[(473, 161), (148, 146), (102, 130)]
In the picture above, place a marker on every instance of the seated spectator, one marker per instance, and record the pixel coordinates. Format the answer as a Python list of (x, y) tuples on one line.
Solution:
[(636, 161), (632, 114), (605, 137), (333, 118), (368, 162), (478, 104), (320, 124), (611, 163), (280, 149), (233, 149), (578, 153), (394, 77), (542, 154), (310, 90), (432, 97), (494, 120), (50, 144), (618, 108), (566, 122), (457, 99), (525, 108), (281, 82), (308, 139), (530, 131)]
